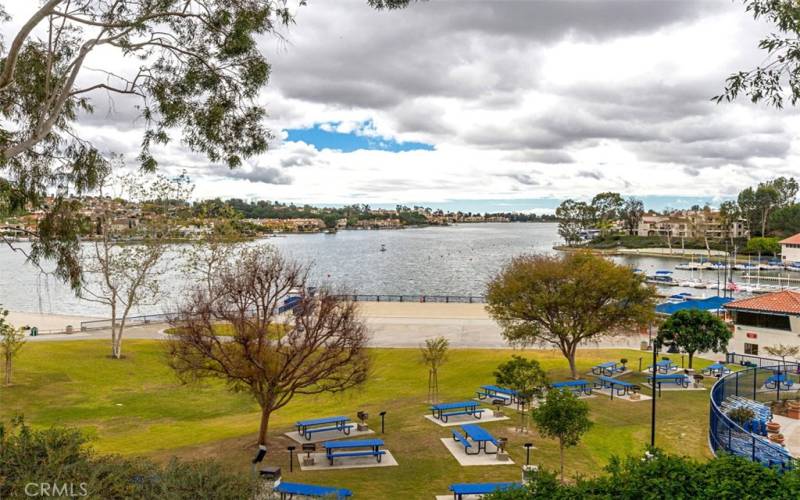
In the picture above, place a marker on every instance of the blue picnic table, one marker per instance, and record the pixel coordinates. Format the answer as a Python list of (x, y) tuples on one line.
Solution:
[(613, 384), (443, 411), (780, 379), (361, 447), (479, 435), (680, 379), (307, 427), (460, 489), (716, 369), (576, 386), (497, 392), (663, 366), (289, 490), (609, 368)]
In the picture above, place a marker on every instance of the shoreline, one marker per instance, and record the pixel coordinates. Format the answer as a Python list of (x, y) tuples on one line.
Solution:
[(662, 253)]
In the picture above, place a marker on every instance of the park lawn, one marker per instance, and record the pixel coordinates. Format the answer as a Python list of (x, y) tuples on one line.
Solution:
[(137, 406)]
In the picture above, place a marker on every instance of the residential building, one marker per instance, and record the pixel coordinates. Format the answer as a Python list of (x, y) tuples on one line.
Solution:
[(691, 224), (765, 320), (790, 249)]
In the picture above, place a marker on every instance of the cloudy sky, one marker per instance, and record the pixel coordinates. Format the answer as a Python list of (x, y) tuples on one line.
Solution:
[(490, 105)]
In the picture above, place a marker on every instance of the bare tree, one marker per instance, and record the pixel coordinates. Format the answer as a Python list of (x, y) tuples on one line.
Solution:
[(318, 348), (124, 263), (783, 352), (11, 341), (434, 354)]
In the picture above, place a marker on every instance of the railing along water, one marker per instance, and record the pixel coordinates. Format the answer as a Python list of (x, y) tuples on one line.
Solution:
[(725, 435)]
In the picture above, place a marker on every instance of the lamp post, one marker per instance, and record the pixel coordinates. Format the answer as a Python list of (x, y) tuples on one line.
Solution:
[(528, 447), (656, 344), (291, 455), (382, 414)]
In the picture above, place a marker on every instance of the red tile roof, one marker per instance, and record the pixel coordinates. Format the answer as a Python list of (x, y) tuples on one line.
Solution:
[(792, 239), (787, 302)]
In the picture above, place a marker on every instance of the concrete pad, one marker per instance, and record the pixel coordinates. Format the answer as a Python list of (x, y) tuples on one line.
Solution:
[(319, 437), (465, 419), (790, 428), (488, 402), (627, 397), (322, 463), (457, 450)]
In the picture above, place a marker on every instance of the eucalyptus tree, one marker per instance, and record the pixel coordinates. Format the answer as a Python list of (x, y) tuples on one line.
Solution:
[(187, 70)]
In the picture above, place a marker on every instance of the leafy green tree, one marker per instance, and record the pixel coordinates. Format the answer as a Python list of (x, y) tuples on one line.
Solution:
[(756, 205), (729, 215), (564, 417), (573, 217), (194, 73), (786, 220), (763, 246), (695, 330), (526, 377), (631, 214), (567, 299), (607, 207)]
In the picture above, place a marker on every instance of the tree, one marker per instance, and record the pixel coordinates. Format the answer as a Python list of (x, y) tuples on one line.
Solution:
[(194, 71), (606, 207), (762, 246), (729, 214), (786, 220), (11, 341), (783, 351), (756, 205), (124, 265), (321, 349), (526, 377), (631, 214), (564, 417), (695, 330), (434, 354), (567, 299), (573, 217)]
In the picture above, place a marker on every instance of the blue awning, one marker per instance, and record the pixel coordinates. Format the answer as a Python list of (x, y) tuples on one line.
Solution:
[(709, 304)]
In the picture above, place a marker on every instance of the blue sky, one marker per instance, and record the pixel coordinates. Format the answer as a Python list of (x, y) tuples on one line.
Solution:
[(362, 137)]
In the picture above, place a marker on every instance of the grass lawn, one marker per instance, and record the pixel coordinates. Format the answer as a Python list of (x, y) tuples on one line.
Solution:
[(137, 406)]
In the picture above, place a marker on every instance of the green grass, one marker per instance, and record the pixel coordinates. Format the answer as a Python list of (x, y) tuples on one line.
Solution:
[(137, 406)]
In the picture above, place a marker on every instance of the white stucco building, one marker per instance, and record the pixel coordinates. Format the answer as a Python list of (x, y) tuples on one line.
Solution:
[(790, 249), (765, 320)]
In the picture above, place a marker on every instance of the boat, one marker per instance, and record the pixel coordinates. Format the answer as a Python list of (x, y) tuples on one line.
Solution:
[(793, 266), (383, 247), (772, 265), (746, 267), (663, 278)]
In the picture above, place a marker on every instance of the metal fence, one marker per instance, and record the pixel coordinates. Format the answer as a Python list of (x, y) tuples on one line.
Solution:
[(725, 435), (146, 319), (454, 299), (758, 361)]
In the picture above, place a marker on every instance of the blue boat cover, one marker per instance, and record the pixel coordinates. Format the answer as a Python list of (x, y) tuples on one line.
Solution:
[(709, 304)]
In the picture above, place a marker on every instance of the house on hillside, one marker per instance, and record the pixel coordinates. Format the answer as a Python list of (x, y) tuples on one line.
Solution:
[(765, 320), (790, 249)]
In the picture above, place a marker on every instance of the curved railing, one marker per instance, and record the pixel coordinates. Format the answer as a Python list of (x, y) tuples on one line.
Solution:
[(727, 436)]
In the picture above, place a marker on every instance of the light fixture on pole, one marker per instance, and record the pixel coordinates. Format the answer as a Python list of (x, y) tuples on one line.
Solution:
[(291, 456), (383, 415), (528, 447)]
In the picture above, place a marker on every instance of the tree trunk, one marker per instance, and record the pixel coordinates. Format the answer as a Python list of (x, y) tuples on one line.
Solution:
[(561, 446), (691, 356), (8, 369), (264, 427)]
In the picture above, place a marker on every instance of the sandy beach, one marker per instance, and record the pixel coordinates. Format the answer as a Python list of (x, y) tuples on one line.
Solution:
[(45, 322)]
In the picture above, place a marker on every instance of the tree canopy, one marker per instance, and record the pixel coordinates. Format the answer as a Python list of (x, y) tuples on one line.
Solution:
[(567, 299), (564, 417), (695, 330), (194, 72)]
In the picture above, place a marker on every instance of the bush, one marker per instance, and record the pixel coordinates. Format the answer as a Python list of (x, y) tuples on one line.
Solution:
[(741, 415), (62, 458)]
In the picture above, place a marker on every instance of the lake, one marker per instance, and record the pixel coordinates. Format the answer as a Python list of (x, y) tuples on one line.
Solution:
[(453, 260)]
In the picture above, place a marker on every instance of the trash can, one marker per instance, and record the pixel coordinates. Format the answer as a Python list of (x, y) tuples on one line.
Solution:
[(34, 331), (68, 329)]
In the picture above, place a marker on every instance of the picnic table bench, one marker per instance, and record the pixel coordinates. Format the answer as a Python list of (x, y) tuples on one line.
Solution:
[(781, 379), (497, 392), (663, 366), (716, 368), (289, 490), (307, 427), (621, 387), (463, 441), (678, 378), (609, 368), (460, 489), (481, 436), (361, 447), (576, 386), (443, 411)]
